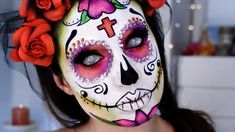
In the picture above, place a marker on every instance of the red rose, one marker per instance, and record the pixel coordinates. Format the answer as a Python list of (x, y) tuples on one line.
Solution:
[(153, 5), (53, 10), (43, 4), (26, 10), (33, 43)]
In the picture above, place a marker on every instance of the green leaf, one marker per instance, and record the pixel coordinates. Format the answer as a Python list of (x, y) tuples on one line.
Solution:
[(118, 5), (84, 18)]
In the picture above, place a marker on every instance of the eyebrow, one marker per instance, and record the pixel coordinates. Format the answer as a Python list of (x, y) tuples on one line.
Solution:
[(72, 35), (135, 12)]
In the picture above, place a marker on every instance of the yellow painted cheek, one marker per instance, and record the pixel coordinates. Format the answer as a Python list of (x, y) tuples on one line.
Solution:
[(90, 108), (160, 84)]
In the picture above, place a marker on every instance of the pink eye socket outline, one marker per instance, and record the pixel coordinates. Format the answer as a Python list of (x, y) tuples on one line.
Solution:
[(91, 60), (134, 40)]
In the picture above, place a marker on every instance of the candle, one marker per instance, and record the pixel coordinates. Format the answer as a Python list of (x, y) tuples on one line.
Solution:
[(20, 115)]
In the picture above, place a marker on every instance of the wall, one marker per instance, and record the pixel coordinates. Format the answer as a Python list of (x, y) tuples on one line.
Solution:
[(207, 83), (15, 89), (221, 12)]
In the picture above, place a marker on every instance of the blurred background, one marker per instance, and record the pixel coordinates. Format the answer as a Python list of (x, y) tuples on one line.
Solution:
[(202, 56), (200, 48)]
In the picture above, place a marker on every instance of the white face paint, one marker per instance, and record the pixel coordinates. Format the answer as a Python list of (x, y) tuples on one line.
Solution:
[(112, 63)]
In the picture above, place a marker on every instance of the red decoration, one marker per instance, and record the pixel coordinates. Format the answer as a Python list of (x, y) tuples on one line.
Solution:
[(53, 10), (20, 115), (33, 43), (107, 25), (153, 5)]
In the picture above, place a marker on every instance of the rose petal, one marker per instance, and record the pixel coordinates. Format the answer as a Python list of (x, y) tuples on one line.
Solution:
[(104, 7), (37, 50), (49, 45), (156, 3), (24, 8), (35, 22), (31, 14), (14, 56), (56, 14), (125, 123), (83, 5), (141, 117), (149, 12), (25, 38), (24, 56), (44, 4), (40, 29), (46, 61), (57, 3), (16, 36), (67, 4)]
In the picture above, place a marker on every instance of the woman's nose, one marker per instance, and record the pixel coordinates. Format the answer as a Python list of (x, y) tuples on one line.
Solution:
[(128, 76)]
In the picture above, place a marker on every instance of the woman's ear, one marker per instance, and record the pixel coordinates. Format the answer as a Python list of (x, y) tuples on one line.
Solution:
[(62, 84)]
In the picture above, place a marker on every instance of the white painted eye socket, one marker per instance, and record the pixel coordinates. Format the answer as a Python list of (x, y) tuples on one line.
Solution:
[(92, 59), (134, 42)]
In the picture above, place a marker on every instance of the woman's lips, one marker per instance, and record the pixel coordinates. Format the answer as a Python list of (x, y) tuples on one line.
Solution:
[(133, 101)]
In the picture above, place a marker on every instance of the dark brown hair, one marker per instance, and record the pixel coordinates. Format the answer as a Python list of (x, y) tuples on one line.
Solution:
[(68, 112)]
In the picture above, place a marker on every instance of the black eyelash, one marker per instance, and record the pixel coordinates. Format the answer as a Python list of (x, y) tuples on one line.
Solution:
[(82, 56)]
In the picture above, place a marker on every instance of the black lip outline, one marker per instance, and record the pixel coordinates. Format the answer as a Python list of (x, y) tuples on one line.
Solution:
[(116, 105), (131, 101), (107, 107)]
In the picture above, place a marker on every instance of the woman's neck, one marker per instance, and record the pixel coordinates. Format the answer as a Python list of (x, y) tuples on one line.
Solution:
[(156, 124)]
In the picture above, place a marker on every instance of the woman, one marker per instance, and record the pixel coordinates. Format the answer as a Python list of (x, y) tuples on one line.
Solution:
[(104, 68)]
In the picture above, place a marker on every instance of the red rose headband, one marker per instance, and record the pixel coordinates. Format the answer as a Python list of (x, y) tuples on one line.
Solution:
[(33, 41)]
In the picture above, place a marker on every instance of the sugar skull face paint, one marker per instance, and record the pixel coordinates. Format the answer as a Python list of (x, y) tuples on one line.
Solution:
[(90, 60), (134, 39), (118, 79)]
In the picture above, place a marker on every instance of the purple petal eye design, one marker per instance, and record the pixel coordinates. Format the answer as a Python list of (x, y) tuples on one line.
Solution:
[(134, 40), (90, 60)]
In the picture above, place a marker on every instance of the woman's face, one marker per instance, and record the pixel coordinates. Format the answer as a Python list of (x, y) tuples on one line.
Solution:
[(110, 59)]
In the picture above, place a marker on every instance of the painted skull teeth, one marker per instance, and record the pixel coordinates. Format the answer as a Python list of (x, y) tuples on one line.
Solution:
[(95, 70), (135, 21), (85, 43), (134, 101)]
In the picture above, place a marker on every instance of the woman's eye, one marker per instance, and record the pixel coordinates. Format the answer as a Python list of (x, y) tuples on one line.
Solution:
[(135, 39), (92, 59), (134, 42), (88, 58)]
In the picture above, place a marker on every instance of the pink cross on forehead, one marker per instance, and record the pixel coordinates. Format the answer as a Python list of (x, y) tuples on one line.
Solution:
[(107, 25)]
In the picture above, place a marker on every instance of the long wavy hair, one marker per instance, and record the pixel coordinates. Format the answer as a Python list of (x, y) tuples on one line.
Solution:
[(69, 113)]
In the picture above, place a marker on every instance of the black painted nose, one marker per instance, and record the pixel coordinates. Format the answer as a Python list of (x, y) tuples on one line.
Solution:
[(129, 76)]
